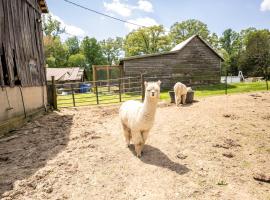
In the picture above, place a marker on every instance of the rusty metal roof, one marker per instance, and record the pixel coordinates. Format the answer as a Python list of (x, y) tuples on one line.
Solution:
[(65, 74)]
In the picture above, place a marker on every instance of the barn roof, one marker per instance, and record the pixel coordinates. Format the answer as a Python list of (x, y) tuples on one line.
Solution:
[(174, 50), (65, 74), (43, 6)]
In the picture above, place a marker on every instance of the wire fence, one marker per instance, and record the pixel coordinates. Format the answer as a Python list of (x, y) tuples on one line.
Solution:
[(132, 88), (95, 92)]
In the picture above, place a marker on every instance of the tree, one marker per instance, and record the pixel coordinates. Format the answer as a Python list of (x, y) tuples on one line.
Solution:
[(214, 41), (181, 31), (55, 52), (230, 41), (73, 45), (77, 60), (92, 51), (257, 52), (51, 27), (146, 41), (111, 49), (244, 36)]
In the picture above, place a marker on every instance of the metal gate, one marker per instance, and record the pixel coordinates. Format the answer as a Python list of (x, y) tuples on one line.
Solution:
[(96, 92)]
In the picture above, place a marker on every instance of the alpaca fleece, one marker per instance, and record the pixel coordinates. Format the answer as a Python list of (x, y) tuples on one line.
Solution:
[(138, 118), (180, 92)]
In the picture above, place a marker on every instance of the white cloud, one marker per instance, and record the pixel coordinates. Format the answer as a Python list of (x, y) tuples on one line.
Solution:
[(145, 21), (265, 5), (118, 7), (70, 29), (145, 6), (125, 9)]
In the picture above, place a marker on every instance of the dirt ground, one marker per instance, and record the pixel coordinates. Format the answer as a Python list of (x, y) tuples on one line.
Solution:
[(211, 149)]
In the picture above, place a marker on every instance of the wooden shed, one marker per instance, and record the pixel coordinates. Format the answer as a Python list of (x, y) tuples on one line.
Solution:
[(22, 63), (193, 62)]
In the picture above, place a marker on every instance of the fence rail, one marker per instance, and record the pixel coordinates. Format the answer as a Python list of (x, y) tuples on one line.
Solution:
[(95, 92), (127, 88)]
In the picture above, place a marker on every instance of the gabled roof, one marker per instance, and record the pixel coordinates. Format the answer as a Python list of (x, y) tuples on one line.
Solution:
[(183, 44), (174, 50), (43, 6), (65, 74)]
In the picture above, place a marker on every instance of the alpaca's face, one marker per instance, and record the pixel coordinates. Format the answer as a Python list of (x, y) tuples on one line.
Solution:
[(152, 89)]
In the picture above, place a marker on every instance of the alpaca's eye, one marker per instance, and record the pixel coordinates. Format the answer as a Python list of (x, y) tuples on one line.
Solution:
[(148, 90)]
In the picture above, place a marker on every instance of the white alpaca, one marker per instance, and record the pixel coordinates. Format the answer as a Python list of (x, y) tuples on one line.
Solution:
[(138, 118), (180, 92)]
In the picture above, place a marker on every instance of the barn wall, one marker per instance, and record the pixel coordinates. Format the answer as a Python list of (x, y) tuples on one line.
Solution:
[(195, 64), (21, 44), (22, 63), (12, 100)]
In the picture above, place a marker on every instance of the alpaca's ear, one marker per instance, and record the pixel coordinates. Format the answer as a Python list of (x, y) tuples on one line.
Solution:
[(159, 82), (145, 83)]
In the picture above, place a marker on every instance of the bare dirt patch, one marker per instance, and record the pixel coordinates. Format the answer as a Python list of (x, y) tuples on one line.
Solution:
[(212, 149)]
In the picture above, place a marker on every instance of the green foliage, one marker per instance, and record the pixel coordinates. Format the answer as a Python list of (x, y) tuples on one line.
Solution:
[(51, 27), (231, 43), (247, 50), (111, 49), (92, 51), (256, 58), (55, 52), (73, 45), (77, 60), (181, 31), (50, 61), (146, 41)]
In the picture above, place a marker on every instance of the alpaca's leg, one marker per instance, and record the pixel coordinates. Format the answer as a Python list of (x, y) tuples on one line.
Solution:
[(138, 149), (138, 142), (127, 134), (177, 100), (144, 136), (184, 98)]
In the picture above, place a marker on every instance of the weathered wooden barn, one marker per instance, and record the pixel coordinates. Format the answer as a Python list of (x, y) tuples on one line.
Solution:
[(193, 62), (22, 63)]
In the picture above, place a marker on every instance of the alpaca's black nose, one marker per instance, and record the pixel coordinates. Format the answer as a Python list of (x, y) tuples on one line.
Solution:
[(153, 93)]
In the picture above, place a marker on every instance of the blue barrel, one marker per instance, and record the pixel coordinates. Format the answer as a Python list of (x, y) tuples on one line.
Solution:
[(85, 87)]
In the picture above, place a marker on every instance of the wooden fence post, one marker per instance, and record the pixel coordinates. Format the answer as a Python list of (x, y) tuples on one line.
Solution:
[(96, 89), (266, 78), (54, 95), (120, 90), (142, 85), (73, 97), (226, 83)]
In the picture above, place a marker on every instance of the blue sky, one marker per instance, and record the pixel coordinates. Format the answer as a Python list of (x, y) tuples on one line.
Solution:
[(217, 14)]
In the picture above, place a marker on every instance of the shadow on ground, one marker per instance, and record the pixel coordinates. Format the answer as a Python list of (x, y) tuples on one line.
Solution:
[(153, 156), (29, 148)]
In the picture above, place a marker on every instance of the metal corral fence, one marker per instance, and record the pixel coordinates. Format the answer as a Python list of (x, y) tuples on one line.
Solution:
[(95, 92), (122, 89), (211, 85)]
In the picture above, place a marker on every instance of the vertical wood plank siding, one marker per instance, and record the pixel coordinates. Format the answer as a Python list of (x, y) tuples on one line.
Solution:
[(21, 42), (195, 64)]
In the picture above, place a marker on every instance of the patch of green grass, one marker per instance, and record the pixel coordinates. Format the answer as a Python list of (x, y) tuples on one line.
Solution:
[(83, 99), (219, 89)]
